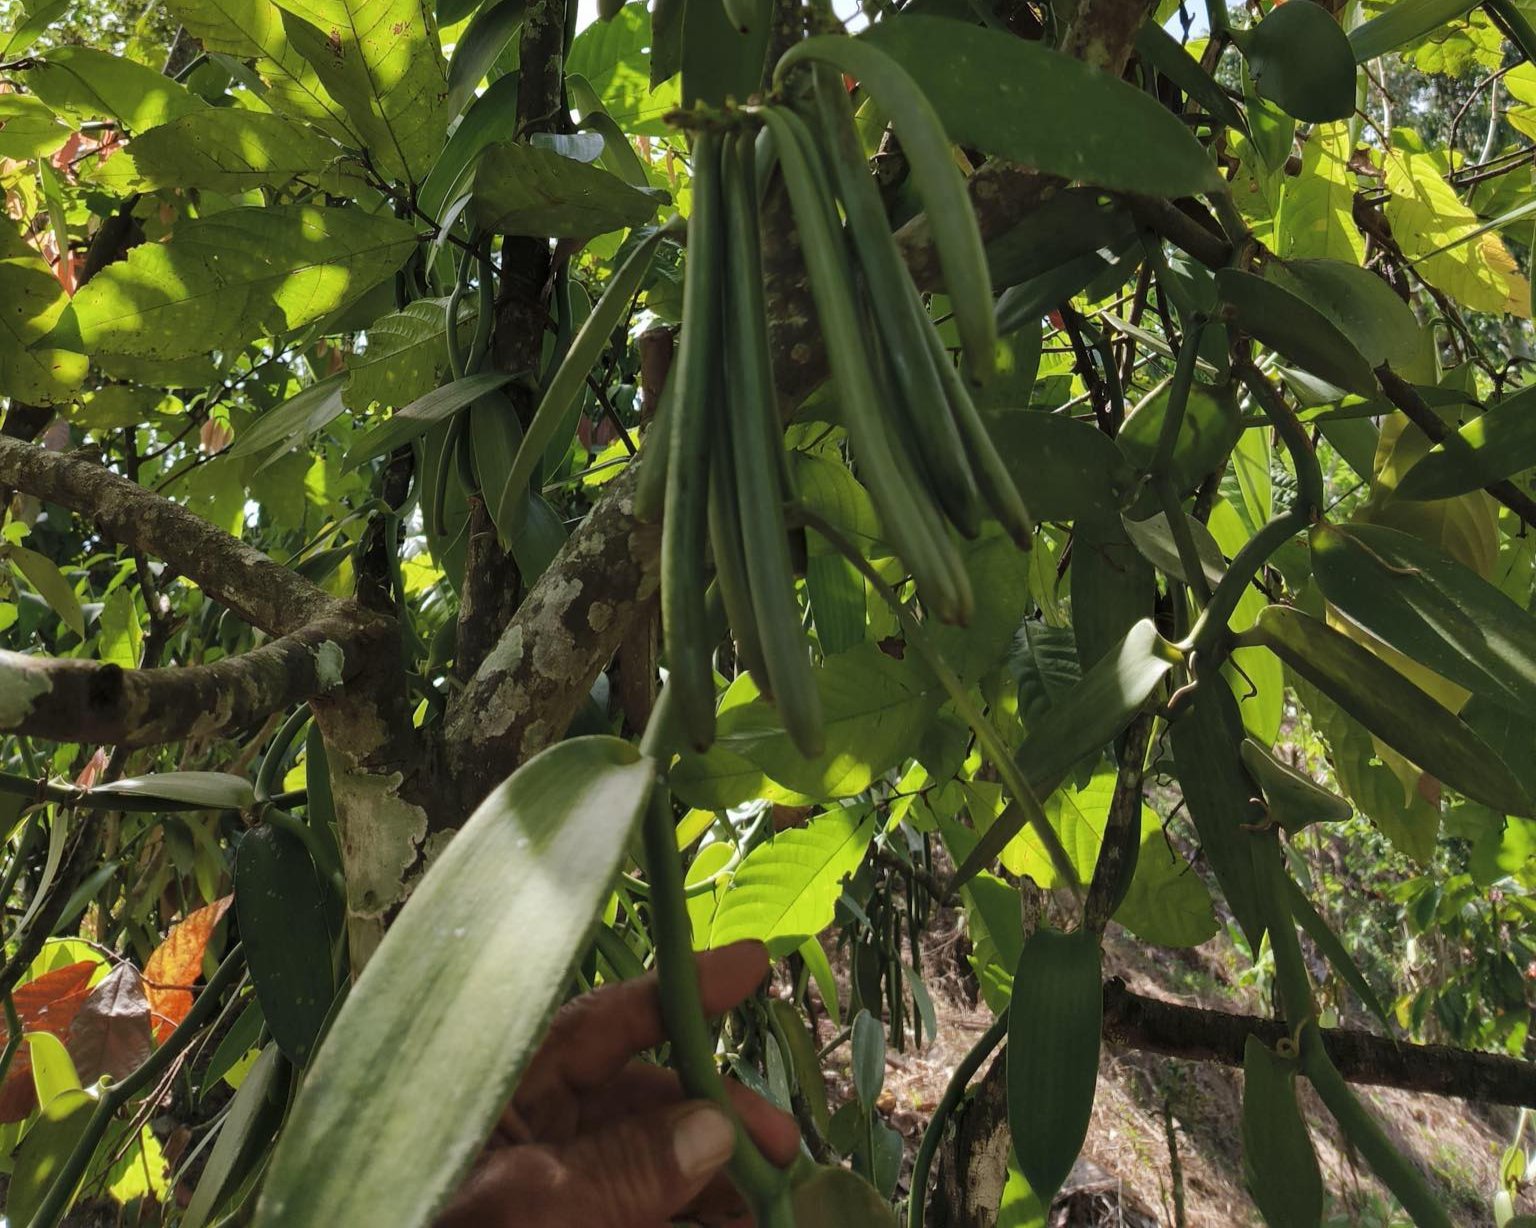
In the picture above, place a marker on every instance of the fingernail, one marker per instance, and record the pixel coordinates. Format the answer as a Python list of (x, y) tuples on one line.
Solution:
[(702, 1141)]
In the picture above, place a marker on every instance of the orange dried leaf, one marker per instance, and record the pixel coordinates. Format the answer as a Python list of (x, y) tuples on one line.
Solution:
[(48, 1003), (177, 964)]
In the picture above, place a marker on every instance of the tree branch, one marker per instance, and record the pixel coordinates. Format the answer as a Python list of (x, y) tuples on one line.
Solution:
[(1190, 1032), (323, 641)]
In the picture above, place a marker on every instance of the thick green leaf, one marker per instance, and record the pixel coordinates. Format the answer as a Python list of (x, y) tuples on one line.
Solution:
[(297, 418), (47, 1145), (485, 123), (221, 280), (121, 636), (84, 83), (526, 190), (1293, 327), (837, 1198), (1292, 798), (1096, 709), (35, 303), (1054, 1022), (282, 905), (381, 61), (359, 1148), (1219, 796), (28, 128), (1278, 1160), (206, 790), (422, 414), (1207, 433), (1365, 309), (617, 58), (1301, 60), (1112, 587), (785, 891), (985, 85), (868, 1059), (227, 149), (406, 358), (1430, 608), (999, 574), (1074, 223), (1404, 717), (44, 575), (35, 20), (1171, 58), (244, 1135), (1075, 472), (1154, 539), (1405, 21), (719, 60), (254, 30), (1043, 660), (487, 36), (1337, 954), (873, 708), (1496, 445)]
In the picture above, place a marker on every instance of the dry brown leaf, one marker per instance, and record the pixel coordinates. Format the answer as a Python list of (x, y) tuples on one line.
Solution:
[(177, 964)]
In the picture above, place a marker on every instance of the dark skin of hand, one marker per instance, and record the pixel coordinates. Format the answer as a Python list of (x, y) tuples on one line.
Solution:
[(596, 1138)]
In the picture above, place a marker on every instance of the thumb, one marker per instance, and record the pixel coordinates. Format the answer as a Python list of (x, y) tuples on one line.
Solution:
[(638, 1172)]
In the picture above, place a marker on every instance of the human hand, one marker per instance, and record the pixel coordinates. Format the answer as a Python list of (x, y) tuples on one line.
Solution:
[(596, 1138)]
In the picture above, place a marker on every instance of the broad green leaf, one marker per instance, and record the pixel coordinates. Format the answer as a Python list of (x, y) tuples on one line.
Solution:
[(1112, 588), (406, 358), (381, 61), (873, 707), (35, 302), (1154, 538), (1297, 330), (282, 904), (84, 83), (985, 85), (1316, 214), (227, 149), (220, 280), (44, 1151), (421, 414), (43, 575), (121, 637), (1207, 434), (1430, 608), (1171, 58), (1043, 660), (488, 34), (244, 1134), (1427, 217), (1406, 818), (361, 1149), (526, 190), (1498, 444), (1278, 1160), (1405, 21), (718, 59), (785, 891), (615, 57), (999, 573), (300, 416), (1367, 311), (1398, 712), (53, 1070), (35, 20), (1301, 60), (833, 1197), (28, 128), (254, 30), (868, 1059), (484, 123), (1095, 710), (1072, 224), (202, 790), (1054, 1023), (1075, 470)]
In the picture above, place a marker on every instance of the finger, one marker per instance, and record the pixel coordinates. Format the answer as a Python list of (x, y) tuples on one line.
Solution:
[(634, 1173), (641, 1087), (593, 1036)]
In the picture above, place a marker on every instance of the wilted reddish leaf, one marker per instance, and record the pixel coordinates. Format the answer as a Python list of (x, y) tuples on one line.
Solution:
[(111, 1033), (47, 1004), (176, 965)]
